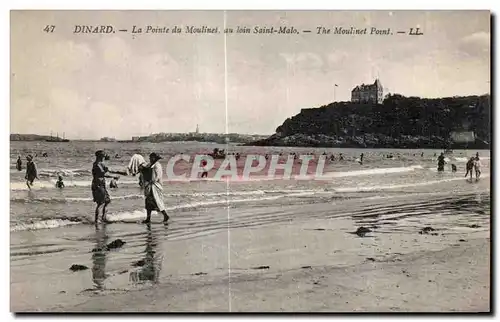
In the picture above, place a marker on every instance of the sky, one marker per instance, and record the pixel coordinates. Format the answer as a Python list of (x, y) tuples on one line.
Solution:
[(121, 85)]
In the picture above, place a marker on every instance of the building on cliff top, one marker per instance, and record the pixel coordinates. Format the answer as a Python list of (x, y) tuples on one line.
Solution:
[(372, 93)]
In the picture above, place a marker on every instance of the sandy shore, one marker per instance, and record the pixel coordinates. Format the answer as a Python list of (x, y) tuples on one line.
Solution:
[(313, 269)]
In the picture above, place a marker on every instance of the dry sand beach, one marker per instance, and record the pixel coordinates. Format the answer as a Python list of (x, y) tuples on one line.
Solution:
[(262, 245)]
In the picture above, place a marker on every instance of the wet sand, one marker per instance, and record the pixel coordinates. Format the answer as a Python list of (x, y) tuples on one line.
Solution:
[(453, 279), (308, 261)]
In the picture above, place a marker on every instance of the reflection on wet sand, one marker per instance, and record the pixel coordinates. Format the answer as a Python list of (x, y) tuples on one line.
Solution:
[(150, 266), (99, 257)]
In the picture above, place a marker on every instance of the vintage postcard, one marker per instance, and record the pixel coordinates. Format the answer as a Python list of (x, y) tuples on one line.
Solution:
[(250, 161)]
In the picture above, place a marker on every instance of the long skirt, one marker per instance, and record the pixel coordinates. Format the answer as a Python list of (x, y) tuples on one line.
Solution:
[(154, 198)]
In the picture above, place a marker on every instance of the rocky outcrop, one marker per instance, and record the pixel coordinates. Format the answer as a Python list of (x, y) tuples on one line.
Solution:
[(399, 122)]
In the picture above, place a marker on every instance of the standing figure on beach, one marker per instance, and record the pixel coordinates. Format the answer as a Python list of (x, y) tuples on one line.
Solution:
[(19, 164), (153, 187), (469, 166), (99, 192), (31, 172), (441, 162), (477, 166)]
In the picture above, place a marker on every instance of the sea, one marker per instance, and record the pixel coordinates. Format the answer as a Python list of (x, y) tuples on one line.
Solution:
[(51, 229)]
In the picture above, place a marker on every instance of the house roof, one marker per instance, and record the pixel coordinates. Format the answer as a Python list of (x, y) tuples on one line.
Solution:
[(366, 87)]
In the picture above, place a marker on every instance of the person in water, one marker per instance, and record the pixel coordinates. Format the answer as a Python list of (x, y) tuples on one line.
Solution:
[(99, 192), (453, 168), (153, 187), (60, 182), (205, 173), (441, 162), (341, 157), (361, 158), (19, 164), (469, 166), (31, 172), (477, 166), (113, 184)]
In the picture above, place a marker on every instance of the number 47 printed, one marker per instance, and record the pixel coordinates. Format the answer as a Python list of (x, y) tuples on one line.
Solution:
[(49, 28)]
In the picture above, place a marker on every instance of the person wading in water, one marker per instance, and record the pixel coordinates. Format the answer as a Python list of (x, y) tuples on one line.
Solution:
[(153, 189), (441, 162), (19, 164), (469, 166), (31, 172), (205, 173), (99, 192)]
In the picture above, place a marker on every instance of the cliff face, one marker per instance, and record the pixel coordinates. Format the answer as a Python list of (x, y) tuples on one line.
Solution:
[(400, 122)]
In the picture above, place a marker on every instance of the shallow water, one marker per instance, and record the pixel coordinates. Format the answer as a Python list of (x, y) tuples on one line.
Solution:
[(52, 229)]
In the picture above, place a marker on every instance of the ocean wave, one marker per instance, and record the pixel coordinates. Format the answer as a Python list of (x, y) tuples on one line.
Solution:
[(64, 172), (326, 176), (38, 185), (46, 224), (366, 172), (133, 216), (399, 186), (136, 215), (55, 200), (254, 197)]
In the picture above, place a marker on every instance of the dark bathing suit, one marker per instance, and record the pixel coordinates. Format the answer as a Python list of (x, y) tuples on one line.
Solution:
[(99, 192), (441, 163), (30, 172)]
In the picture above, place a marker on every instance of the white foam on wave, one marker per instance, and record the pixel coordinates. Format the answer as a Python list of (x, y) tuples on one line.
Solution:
[(375, 171), (398, 186), (72, 199), (37, 185), (64, 172), (224, 179), (240, 193), (43, 224), (465, 159), (136, 215), (327, 176)]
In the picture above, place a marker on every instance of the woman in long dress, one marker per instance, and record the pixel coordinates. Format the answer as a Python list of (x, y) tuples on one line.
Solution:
[(153, 187)]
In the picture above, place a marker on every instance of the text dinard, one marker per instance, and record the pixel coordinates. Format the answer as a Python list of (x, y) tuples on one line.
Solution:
[(107, 29)]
